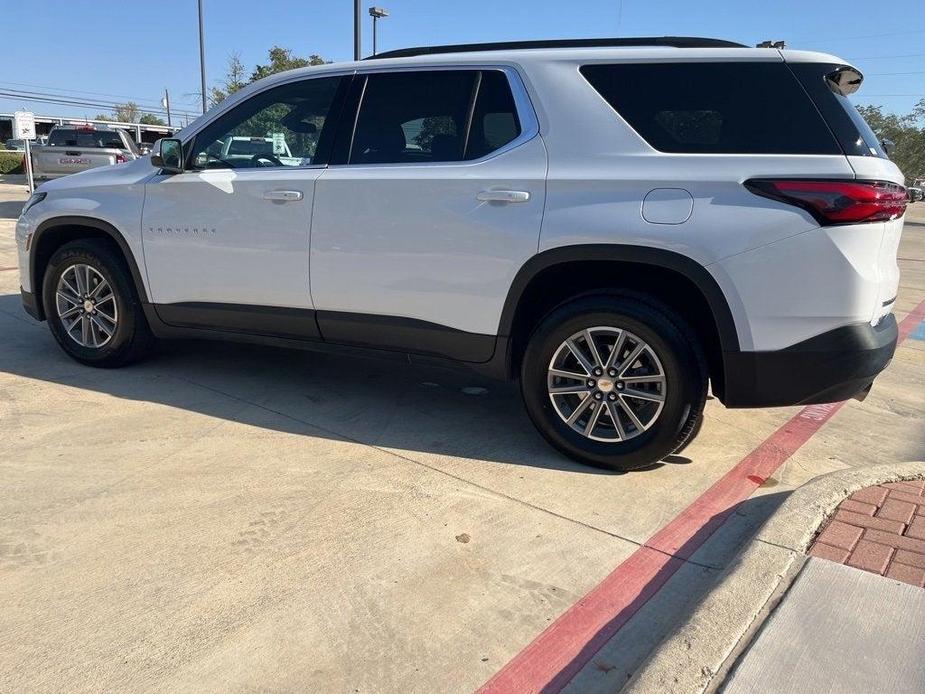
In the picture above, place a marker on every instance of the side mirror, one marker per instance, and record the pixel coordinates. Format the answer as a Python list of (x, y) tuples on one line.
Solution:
[(168, 155), (888, 146)]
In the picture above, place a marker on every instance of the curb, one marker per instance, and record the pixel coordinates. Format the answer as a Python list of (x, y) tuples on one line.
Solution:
[(703, 647)]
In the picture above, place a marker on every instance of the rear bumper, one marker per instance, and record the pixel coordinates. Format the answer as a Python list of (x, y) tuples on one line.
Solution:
[(834, 366), (30, 305)]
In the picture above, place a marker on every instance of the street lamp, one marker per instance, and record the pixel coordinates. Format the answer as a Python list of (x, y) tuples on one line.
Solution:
[(377, 13)]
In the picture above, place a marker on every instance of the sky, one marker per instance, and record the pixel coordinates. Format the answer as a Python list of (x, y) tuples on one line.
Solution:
[(111, 51)]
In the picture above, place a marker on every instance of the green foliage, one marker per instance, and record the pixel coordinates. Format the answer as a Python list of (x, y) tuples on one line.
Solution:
[(128, 112), (151, 119), (11, 162), (907, 133), (281, 59), (233, 81)]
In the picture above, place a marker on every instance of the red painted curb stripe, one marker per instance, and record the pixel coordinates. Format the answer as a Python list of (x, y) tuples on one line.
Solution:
[(566, 646)]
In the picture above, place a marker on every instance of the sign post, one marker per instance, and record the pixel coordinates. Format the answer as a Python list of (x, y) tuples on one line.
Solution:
[(24, 129)]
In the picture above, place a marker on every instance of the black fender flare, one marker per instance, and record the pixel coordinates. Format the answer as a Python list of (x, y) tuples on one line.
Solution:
[(670, 260), (92, 222)]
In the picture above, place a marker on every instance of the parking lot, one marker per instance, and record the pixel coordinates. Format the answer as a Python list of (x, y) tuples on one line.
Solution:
[(233, 518)]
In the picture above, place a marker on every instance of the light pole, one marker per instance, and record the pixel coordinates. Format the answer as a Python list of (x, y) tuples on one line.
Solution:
[(202, 58), (357, 30), (377, 13)]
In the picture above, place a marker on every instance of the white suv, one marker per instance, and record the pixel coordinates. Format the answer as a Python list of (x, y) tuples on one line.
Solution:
[(615, 223)]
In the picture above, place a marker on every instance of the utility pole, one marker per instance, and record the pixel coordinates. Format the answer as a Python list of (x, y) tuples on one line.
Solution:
[(166, 103), (357, 30), (202, 58)]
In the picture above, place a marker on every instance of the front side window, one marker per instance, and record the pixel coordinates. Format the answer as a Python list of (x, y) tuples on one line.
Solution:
[(281, 127), (433, 116)]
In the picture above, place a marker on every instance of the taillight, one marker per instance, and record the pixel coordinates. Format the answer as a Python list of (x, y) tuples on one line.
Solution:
[(120, 159), (837, 202)]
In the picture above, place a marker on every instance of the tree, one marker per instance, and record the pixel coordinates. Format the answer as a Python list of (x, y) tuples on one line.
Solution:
[(128, 112), (233, 81), (907, 132), (281, 59), (151, 119)]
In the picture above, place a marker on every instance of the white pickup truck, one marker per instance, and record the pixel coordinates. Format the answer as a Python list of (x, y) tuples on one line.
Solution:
[(73, 148), (271, 150)]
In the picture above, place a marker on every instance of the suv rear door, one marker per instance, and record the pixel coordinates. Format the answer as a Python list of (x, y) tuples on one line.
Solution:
[(431, 205)]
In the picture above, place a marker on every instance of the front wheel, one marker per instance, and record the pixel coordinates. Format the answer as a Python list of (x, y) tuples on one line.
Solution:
[(92, 307), (614, 381)]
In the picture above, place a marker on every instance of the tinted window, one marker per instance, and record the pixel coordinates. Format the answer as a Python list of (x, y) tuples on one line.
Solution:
[(736, 108), (284, 126), (494, 120), (852, 131), (85, 137), (413, 117), (424, 116)]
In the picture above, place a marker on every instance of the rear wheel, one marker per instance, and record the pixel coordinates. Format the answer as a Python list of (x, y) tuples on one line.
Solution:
[(92, 307), (614, 381)]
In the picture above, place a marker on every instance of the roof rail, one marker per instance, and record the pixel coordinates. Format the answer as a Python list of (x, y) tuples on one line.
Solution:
[(670, 41)]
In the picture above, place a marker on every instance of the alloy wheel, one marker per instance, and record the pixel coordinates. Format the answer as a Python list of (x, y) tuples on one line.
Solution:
[(607, 384), (86, 305)]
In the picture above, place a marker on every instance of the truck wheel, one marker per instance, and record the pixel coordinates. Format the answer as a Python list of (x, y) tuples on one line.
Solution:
[(617, 382), (92, 307)]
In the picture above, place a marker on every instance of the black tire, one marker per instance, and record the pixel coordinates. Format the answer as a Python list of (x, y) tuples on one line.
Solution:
[(693, 427), (131, 338), (675, 347)]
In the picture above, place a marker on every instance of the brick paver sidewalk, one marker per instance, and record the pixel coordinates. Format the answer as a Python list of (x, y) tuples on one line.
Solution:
[(879, 529)]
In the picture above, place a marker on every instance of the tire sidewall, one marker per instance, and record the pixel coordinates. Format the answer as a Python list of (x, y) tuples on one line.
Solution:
[(669, 345), (104, 263)]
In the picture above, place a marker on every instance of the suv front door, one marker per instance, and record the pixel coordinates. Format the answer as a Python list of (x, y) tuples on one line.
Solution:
[(433, 202), (226, 242)]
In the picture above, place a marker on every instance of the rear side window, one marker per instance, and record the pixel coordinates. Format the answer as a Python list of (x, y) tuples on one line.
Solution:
[(433, 116), (494, 120), (715, 108), (852, 131)]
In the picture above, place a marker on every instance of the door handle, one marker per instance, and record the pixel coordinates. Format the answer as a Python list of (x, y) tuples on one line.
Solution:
[(503, 196), (282, 195)]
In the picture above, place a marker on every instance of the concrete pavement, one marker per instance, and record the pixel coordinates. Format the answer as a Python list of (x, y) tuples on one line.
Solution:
[(232, 518)]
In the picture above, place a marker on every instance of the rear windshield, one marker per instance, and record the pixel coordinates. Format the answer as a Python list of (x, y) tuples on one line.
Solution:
[(852, 131), (73, 137), (715, 107)]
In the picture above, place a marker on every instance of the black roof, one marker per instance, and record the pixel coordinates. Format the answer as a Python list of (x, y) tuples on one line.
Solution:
[(670, 41)]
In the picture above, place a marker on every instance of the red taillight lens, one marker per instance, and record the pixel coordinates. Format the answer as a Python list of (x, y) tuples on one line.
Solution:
[(837, 202), (120, 159)]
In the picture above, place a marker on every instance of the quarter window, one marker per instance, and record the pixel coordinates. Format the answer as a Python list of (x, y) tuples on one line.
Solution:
[(287, 126), (715, 107), (433, 116)]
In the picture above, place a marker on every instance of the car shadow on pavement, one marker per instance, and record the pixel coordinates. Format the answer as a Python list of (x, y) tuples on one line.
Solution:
[(384, 403)]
